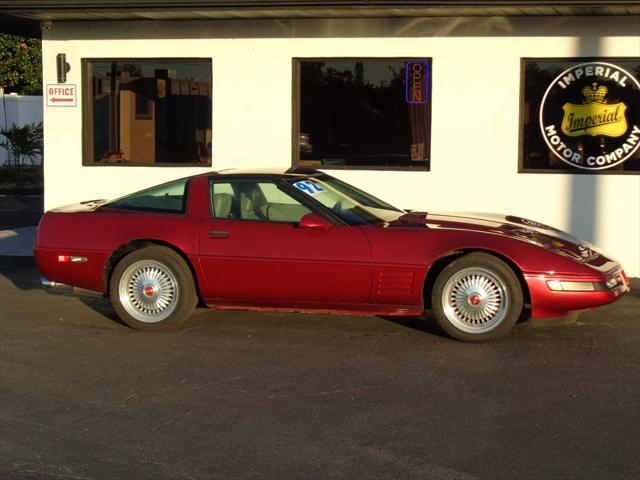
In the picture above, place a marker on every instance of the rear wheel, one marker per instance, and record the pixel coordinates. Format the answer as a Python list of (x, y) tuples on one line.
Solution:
[(477, 297), (152, 289)]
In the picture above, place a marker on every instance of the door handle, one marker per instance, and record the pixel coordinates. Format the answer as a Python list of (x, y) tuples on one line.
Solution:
[(218, 234)]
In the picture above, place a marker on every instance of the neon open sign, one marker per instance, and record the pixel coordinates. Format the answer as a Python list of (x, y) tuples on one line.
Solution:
[(417, 80)]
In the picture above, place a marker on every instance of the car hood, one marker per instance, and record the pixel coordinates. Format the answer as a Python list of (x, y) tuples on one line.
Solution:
[(518, 228)]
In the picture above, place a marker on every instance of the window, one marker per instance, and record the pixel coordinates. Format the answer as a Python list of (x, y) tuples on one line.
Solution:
[(362, 113), (580, 115), (352, 205), (168, 198), (262, 201), (147, 112)]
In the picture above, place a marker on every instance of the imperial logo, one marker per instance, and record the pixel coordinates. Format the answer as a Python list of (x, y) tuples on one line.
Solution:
[(590, 116), (595, 117)]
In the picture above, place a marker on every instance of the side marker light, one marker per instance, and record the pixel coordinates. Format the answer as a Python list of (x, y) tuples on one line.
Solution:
[(71, 258)]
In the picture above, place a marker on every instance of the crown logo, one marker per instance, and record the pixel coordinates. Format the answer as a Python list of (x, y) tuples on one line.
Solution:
[(594, 93)]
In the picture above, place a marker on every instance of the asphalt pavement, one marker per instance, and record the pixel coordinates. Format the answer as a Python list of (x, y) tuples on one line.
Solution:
[(239, 395), (246, 395)]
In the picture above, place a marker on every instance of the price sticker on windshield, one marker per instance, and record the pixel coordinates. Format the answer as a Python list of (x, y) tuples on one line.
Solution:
[(309, 187)]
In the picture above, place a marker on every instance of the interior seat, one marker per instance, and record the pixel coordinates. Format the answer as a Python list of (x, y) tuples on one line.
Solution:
[(222, 205), (252, 205)]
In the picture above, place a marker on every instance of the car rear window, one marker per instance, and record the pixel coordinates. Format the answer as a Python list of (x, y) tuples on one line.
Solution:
[(168, 198)]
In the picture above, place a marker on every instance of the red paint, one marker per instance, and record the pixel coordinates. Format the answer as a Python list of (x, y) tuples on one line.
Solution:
[(281, 262), (475, 300), (315, 221), (547, 303), (318, 265)]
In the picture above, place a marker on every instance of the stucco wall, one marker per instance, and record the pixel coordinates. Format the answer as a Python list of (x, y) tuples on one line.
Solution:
[(475, 119)]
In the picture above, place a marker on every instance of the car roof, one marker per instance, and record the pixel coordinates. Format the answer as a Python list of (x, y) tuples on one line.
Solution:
[(264, 172), (254, 171), (269, 171)]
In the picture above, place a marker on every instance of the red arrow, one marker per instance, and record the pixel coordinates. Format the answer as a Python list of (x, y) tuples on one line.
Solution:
[(62, 100)]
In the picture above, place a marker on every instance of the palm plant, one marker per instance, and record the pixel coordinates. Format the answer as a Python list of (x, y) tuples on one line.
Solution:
[(22, 143)]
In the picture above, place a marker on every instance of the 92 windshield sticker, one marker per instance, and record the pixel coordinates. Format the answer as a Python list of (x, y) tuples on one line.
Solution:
[(309, 187)]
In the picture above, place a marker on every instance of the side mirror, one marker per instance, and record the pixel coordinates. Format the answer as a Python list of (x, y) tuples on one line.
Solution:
[(315, 221)]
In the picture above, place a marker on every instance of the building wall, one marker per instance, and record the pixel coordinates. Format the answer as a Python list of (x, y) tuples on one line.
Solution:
[(475, 118), (19, 109)]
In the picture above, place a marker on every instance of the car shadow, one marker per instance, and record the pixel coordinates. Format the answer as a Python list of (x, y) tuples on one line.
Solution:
[(94, 300), (21, 271), (98, 303), (425, 324)]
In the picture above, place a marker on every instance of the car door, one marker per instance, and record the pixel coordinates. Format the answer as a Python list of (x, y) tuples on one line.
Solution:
[(253, 251)]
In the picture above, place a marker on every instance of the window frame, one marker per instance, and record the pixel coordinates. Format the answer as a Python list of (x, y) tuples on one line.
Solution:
[(87, 124), (521, 100), (296, 106)]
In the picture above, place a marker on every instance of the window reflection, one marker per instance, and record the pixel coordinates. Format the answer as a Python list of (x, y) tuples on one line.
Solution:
[(364, 113), (147, 112)]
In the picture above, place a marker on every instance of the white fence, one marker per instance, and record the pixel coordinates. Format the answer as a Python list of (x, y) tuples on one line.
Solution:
[(18, 109)]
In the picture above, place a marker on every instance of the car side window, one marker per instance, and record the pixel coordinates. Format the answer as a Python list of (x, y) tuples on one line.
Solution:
[(168, 198), (262, 201)]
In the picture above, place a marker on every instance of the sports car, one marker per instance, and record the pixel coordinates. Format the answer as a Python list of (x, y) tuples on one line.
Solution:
[(302, 240)]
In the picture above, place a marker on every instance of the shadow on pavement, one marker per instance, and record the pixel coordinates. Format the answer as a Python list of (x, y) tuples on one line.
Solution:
[(21, 271), (424, 324), (24, 274), (20, 210), (635, 287)]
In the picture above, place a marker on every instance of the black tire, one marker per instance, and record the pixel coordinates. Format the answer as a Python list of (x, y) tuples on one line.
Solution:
[(152, 289), (476, 298)]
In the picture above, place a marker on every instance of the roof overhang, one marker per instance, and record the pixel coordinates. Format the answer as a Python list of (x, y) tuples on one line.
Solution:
[(24, 16)]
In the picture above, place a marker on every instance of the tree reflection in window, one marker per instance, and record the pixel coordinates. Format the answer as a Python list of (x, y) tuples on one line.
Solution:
[(355, 113)]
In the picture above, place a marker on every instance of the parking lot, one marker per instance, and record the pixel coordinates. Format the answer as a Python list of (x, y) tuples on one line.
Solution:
[(237, 395)]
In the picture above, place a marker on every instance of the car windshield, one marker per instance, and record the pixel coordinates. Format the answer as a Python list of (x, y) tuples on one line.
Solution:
[(351, 204)]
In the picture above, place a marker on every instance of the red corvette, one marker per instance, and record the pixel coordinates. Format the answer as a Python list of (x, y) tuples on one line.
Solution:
[(306, 241)]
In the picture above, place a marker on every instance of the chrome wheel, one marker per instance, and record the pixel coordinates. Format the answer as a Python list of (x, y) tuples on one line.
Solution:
[(475, 300), (148, 291)]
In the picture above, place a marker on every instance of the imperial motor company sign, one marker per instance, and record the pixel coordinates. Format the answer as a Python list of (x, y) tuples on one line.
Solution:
[(590, 116)]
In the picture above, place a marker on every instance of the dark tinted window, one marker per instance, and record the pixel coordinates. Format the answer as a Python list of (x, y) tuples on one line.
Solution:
[(169, 198), (364, 113), (147, 112)]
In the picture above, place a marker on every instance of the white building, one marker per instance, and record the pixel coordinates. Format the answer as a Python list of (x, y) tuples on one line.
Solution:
[(527, 108)]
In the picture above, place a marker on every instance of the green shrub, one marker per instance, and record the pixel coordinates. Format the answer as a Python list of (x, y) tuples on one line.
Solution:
[(22, 143)]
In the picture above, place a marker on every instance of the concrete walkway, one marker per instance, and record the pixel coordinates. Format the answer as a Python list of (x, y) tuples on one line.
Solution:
[(17, 242), (19, 215)]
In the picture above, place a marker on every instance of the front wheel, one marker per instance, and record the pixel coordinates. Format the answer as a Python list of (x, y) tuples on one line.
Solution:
[(152, 289), (477, 297)]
